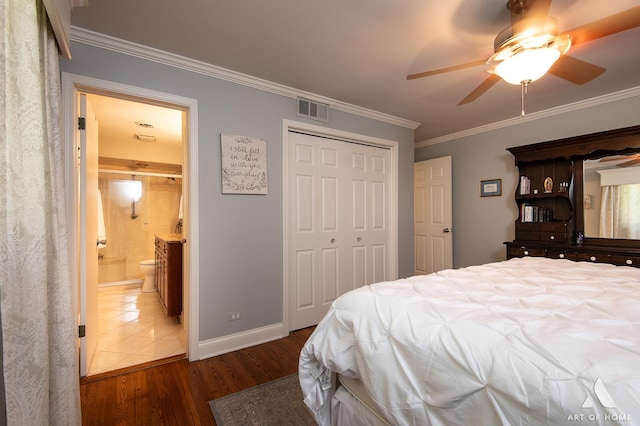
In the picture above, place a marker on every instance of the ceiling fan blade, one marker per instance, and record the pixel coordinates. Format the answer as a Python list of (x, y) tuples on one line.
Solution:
[(612, 24), (447, 69), (612, 158), (575, 70), (479, 91), (630, 163)]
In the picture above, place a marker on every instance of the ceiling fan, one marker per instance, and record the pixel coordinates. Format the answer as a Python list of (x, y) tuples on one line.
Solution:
[(531, 46)]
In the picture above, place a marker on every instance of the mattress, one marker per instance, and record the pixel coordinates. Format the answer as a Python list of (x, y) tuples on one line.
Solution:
[(525, 341)]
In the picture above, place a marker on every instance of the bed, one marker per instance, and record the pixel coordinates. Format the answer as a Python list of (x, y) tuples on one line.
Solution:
[(527, 341)]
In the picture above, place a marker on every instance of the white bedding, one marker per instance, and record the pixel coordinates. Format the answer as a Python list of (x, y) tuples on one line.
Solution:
[(527, 341)]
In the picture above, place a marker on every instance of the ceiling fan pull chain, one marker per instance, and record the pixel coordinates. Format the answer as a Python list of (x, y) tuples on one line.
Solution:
[(524, 86)]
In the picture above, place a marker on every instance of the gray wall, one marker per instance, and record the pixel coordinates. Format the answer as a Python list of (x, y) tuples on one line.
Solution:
[(481, 225), (241, 235)]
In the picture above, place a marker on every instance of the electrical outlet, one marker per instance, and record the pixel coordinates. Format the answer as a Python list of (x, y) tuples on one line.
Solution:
[(235, 316)]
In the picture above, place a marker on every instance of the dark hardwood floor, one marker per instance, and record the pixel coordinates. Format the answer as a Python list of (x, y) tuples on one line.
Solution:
[(178, 392)]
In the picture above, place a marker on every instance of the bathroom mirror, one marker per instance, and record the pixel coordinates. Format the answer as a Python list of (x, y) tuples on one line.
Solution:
[(611, 192)]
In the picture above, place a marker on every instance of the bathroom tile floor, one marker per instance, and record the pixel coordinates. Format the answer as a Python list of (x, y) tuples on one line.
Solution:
[(134, 329)]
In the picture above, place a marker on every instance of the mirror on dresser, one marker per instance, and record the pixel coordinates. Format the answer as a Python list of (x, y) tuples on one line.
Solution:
[(611, 187)]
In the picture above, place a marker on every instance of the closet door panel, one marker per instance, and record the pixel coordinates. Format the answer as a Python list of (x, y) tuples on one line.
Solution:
[(305, 266), (358, 205), (358, 266), (379, 262), (329, 275), (338, 201)]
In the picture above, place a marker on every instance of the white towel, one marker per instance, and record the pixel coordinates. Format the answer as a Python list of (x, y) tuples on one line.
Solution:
[(102, 232), (180, 208)]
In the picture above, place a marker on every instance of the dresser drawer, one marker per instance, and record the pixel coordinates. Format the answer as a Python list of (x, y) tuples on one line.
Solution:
[(553, 232), (624, 260), (522, 251), (549, 232), (592, 257), (553, 236), (561, 254)]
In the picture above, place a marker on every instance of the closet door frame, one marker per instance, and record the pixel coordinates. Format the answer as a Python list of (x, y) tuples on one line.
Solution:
[(392, 202)]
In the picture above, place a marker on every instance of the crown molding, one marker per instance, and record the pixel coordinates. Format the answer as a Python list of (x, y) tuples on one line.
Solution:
[(575, 106), (114, 44)]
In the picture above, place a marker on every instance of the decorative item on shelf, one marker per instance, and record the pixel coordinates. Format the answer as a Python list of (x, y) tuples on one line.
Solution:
[(548, 185), (563, 187)]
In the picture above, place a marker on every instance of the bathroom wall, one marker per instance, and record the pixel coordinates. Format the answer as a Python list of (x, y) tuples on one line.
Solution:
[(130, 241)]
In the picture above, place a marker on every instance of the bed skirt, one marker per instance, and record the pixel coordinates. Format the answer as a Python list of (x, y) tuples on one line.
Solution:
[(351, 405)]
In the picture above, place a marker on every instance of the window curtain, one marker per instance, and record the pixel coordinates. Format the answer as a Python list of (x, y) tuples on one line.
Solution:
[(618, 212), (39, 355)]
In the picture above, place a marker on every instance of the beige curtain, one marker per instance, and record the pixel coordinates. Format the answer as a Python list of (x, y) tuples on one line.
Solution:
[(619, 211), (38, 326)]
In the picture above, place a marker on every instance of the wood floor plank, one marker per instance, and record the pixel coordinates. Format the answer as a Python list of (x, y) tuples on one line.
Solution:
[(178, 392)]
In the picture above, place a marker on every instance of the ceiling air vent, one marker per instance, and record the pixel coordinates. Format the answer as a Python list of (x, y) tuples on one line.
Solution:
[(311, 109)]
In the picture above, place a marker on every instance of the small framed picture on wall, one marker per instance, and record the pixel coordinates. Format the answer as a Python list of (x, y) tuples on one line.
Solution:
[(491, 188)]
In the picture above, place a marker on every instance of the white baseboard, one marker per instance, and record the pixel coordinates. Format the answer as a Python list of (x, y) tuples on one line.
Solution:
[(132, 283), (245, 339)]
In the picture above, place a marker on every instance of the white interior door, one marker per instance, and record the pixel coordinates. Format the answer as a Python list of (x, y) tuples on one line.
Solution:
[(88, 232), (433, 239), (339, 233)]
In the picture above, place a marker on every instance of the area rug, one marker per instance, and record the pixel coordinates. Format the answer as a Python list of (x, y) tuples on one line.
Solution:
[(278, 402)]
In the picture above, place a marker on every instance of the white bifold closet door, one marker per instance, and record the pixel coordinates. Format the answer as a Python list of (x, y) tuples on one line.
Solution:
[(338, 228)]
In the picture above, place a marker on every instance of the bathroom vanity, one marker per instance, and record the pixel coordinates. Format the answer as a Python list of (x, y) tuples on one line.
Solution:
[(169, 273)]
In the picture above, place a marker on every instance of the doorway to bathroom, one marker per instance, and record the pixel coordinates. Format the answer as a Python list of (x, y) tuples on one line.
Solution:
[(142, 185)]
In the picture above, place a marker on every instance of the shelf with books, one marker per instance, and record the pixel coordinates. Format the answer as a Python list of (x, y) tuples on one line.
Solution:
[(545, 201)]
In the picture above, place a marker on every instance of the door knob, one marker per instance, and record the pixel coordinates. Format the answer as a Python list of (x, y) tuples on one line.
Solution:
[(333, 240), (447, 230), (359, 239)]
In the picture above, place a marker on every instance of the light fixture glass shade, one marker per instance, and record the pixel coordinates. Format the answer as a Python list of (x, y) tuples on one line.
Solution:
[(527, 65)]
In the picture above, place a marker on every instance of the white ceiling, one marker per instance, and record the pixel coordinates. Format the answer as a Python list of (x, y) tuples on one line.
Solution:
[(121, 120), (360, 51)]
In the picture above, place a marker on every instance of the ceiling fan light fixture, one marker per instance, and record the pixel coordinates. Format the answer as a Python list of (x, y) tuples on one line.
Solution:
[(527, 65), (527, 55)]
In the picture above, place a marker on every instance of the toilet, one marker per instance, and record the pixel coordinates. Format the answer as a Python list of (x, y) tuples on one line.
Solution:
[(148, 269)]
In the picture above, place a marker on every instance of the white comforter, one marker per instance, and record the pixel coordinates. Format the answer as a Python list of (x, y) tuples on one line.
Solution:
[(528, 341)]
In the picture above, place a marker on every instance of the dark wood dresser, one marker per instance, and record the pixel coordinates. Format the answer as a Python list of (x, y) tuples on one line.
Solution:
[(550, 194), (168, 277)]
